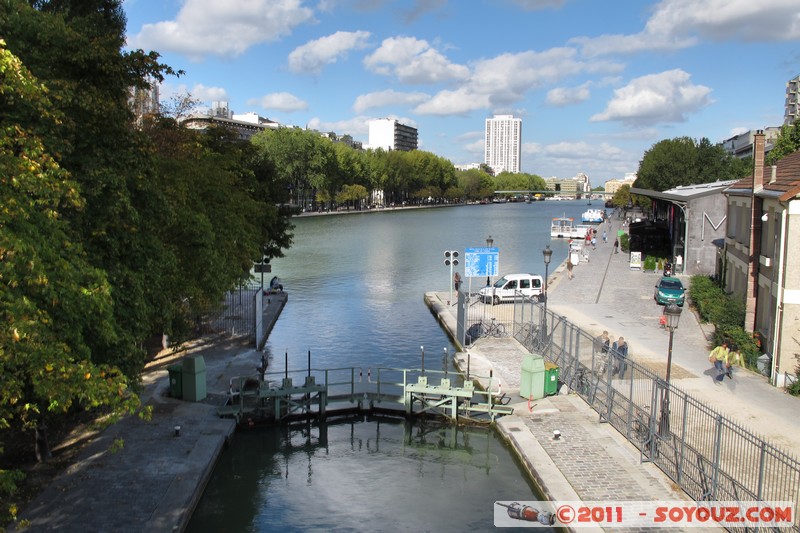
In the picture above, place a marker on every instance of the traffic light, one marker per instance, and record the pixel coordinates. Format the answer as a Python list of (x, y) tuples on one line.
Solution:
[(450, 257)]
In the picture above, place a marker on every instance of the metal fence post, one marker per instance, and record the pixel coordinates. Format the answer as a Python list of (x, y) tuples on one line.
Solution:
[(717, 453)]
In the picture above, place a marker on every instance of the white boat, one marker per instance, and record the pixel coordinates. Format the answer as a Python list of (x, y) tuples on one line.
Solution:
[(565, 228), (593, 216)]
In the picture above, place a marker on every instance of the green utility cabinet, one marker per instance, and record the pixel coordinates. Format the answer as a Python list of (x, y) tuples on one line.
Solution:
[(550, 379), (194, 379), (531, 383), (175, 381)]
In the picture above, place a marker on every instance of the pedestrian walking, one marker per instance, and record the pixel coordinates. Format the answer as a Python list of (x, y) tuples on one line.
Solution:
[(602, 343), (616, 246), (456, 281), (719, 357), (620, 350), (734, 359), (594, 243), (569, 268)]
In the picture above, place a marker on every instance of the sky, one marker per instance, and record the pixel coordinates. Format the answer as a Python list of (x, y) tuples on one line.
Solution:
[(596, 82)]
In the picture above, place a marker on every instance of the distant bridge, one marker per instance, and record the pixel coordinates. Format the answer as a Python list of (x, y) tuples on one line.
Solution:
[(553, 193)]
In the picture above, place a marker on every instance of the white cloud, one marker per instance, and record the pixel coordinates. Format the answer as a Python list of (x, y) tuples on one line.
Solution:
[(387, 98), (312, 56), (564, 96), (421, 8), (728, 20), (476, 148), (534, 5), (593, 159), (657, 98), (413, 61), (458, 102), (199, 92), (679, 24), (227, 29), (506, 79), (285, 102), (356, 126)]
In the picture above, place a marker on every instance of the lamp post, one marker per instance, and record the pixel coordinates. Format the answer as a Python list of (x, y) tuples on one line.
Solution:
[(450, 259), (547, 253), (673, 314), (489, 243)]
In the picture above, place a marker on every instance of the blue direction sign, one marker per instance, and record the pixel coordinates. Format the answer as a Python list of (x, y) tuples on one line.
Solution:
[(480, 262)]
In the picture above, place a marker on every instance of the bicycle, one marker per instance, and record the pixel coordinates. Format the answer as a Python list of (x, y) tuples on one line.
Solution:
[(495, 329)]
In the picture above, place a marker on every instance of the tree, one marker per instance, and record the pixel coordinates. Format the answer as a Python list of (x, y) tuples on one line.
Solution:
[(788, 142), (683, 161), (75, 49), (52, 300)]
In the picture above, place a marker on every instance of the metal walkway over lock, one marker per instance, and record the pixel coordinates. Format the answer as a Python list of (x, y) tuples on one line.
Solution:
[(274, 397)]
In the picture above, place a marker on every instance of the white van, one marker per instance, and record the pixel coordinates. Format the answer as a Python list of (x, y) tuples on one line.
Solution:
[(511, 285)]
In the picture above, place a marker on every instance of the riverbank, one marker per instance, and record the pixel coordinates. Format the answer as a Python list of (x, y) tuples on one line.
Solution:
[(589, 461), (147, 475)]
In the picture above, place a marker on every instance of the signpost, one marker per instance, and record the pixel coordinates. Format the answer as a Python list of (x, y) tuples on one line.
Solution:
[(450, 259), (479, 262)]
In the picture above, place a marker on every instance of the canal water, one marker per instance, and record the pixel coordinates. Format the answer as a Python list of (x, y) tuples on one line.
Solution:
[(356, 285)]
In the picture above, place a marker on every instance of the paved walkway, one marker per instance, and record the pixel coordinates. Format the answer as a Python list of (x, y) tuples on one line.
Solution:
[(591, 461), (605, 294), (152, 482)]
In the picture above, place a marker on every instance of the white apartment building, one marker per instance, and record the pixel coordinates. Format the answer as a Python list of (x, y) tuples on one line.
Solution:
[(390, 134), (792, 109), (503, 143)]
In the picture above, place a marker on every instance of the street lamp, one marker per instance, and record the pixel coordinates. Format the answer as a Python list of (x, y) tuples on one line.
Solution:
[(548, 255), (673, 314), (450, 259), (489, 243)]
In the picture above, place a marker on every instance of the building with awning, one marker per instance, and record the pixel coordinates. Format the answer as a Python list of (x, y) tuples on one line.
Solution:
[(687, 223)]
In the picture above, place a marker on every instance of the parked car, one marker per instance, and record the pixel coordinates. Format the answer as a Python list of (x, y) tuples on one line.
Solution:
[(669, 290), (511, 286)]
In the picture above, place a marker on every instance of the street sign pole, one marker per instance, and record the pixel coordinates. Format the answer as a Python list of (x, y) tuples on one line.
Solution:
[(450, 259)]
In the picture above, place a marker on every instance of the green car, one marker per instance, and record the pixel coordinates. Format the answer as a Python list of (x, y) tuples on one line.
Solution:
[(670, 291)]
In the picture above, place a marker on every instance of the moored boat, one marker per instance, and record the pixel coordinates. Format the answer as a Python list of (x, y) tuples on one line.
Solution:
[(593, 216), (565, 228)]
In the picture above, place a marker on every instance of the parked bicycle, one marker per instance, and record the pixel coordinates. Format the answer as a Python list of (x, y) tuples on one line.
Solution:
[(493, 329)]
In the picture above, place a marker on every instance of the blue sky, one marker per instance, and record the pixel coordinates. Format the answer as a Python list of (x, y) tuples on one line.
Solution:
[(596, 83)]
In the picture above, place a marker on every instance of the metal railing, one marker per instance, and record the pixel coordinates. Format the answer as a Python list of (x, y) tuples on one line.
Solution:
[(235, 315), (708, 455), (483, 318)]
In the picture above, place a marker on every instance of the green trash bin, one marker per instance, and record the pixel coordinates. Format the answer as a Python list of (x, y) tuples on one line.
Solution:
[(175, 381), (194, 379), (531, 383), (550, 379)]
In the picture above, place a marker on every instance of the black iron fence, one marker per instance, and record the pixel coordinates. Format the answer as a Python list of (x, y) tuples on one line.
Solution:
[(711, 457), (236, 314)]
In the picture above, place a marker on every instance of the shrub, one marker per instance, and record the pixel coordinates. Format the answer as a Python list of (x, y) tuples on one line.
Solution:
[(625, 242), (727, 314), (741, 340), (794, 388), (649, 263)]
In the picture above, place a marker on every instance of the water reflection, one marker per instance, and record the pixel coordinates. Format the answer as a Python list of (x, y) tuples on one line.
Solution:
[(356, 285), (371, 474)]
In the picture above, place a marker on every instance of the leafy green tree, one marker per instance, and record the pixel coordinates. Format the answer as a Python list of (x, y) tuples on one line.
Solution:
[(352, 195), (302, 159), (475, 183), (53, 302), (683, 161), (788, 142), (74, 48)]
